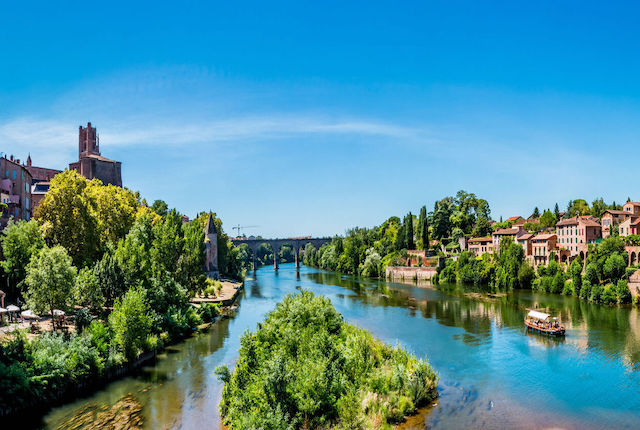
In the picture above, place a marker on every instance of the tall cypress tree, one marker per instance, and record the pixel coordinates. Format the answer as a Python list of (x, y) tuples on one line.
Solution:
[(556, 212), (424, 228), (409, 231), (419, 243)]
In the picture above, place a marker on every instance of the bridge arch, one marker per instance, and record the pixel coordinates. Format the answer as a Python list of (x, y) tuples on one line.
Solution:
[(296, 242)]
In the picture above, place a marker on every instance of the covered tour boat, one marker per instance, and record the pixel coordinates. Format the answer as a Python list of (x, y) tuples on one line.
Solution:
[(544, 323)]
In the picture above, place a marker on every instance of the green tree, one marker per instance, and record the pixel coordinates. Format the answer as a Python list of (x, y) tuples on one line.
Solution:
[(482, 227), (409, 231), (110, 277), (622, 291), (168, 242), (87, 291), (310, 255), (578, 207), (113, 208), (160, 207), (614, 267), (20, 241), (441, 219), (191, 261), (423, 229), (131, 321), (133, 254), (598, 206), (548, 219), (536, 213), (575, 271), (556, 212), (66, 217), (50, 279), (371, 263)]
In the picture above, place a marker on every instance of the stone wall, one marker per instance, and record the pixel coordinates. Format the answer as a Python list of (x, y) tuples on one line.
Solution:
[(634, 283), (400, 273)]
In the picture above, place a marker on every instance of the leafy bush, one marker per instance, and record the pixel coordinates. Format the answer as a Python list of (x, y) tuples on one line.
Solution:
[(82, 319), (130, 322), (306, 368), (608, 296), (585, 290), (596, 293), (622, 291), (179, 321), (209, 311)]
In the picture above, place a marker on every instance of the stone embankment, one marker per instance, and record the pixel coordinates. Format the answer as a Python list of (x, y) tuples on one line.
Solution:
[(226, 297), (404, 274)]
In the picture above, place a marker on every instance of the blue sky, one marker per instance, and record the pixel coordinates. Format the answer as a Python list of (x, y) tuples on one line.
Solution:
[(310, 118)]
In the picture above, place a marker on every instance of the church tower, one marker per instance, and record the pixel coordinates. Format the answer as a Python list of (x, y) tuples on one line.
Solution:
[(211, 249), (88, 141)]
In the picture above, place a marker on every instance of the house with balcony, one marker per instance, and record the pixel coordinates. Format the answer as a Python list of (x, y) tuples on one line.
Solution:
[(15, 190), (574, 234), (629, 226), (525, 242), (481, 245), (612, 217), (513, 233), (542, 246)]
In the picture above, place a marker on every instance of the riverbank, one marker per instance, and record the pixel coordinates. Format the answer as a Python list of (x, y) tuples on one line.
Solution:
[(86, 383), (489, 366)]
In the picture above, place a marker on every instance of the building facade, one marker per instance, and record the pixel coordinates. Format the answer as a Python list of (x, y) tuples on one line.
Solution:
[(612, 217), (15, 190), (542, 245), (574, 234), (481, 245), (40, 174), (91, 164)]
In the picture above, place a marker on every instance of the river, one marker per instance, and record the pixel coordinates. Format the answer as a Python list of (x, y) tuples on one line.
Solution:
[(493, 373)]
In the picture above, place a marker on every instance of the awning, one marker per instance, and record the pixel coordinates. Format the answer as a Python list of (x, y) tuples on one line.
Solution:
[(538, 315), (28, 314)]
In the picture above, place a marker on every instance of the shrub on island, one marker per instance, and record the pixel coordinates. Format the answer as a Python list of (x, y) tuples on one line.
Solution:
[(304, 367)]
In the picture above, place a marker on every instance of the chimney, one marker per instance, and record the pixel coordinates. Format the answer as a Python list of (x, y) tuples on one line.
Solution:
[(11, 157)]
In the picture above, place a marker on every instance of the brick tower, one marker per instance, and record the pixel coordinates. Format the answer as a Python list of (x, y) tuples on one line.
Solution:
[(211, 249)]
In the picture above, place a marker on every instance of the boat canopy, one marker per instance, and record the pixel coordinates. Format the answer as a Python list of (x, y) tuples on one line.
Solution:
[(538, 315)]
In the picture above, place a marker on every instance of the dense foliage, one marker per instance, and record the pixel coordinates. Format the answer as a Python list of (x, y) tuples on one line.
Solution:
[(130, 268), (304, 367), (504, 271)]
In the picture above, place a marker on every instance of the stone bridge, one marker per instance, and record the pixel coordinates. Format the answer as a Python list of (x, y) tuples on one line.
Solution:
[(298, 243)]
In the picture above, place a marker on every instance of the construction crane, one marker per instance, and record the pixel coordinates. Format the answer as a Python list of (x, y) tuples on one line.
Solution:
[(240, 227)]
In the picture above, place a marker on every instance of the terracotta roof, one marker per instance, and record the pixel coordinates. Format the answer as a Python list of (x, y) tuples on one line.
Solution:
[(480, 239), (506, 231), (632, 203), (544, 236), (98, 157), (526, 236), (568, 221), (514, 218), (589, 222), (635, 221), (616, 212)]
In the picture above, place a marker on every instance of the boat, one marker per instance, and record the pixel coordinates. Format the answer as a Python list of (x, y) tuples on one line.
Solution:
[(544, 323)]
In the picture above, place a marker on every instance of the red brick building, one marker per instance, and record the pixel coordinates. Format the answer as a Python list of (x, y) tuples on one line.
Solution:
[(91, 164)]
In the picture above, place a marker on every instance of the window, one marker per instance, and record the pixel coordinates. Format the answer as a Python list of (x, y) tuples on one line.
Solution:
[(14, 173)]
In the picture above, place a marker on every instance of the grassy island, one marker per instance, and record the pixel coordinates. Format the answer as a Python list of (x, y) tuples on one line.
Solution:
[(304, 367)]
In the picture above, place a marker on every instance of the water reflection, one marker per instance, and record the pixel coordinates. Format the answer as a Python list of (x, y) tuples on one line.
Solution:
[(494, 374)]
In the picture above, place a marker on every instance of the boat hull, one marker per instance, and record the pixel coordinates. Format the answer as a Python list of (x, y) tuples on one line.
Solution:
[(560, 331)]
